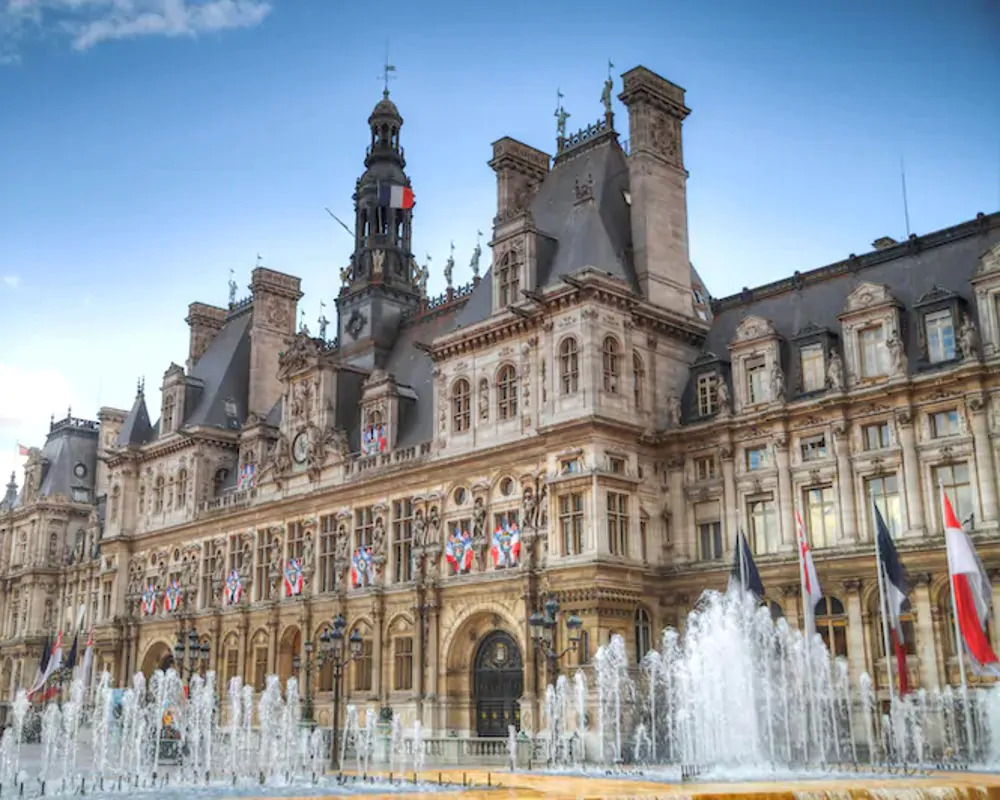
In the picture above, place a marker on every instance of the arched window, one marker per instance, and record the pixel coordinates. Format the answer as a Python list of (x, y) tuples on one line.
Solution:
[(158, 494), (611, 356), (219, 480), (116, 494), (643, 634), (638, 378), (508, 281), (507, 392), (461, 399), (777, 612), (182, 487), (831, 624), (569, 366)]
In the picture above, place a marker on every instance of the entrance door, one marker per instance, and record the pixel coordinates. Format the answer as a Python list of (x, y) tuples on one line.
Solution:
[(499, 681)]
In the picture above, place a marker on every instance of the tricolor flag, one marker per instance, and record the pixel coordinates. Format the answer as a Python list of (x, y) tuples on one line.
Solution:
[(972, 592), (391, 195), (232, 593), (88, 658), (294, 579), (21, 449), (896, 602), (43, 662), (744, 573), (810, 580), (51, 667)]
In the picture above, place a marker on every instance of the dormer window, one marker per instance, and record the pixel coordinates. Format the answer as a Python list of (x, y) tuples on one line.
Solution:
[(706, 394), (461, 408), (168, 414), (508, 281), (612, 364), (939, 327), (756, 370), (813, 368), (874, 356)]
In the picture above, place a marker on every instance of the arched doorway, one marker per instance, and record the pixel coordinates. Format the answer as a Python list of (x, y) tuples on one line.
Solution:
[(289, 646), (158, 656), (498, 682)]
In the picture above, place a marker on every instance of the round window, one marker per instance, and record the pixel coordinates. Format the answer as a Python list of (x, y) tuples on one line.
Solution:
[(507, 487), (459, 496)]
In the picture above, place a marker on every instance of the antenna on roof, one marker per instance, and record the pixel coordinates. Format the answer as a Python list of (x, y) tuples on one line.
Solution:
[(339, 220), (906, 207)]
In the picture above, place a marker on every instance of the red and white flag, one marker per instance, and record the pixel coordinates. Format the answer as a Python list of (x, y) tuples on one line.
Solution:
[(973, 593), (21, 449), (810, 580)]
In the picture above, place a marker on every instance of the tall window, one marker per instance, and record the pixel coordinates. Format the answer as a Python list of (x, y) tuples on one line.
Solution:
[(821, 515), (704, 468), (461, 408), (638, 378), (756, 370), (263, 559), (259, 668), (402, 648), (813, 447), (945, 423), (813, 372), (363, 667), (507, 392), (158, 494), (956, 482), (168, 414), (294, 541), (571, 523), (508, 281), (940, 332), (232, 663), (831, 624), (182, 487), (106, 600), (643, 634), (611, 358), (207, 598), (706, 394), (327, 547), (763, 525), (883, 493), (364, 524), (706, 516), (876, 436), (402, 540), (569, 366), (618, 523), (871, 345)]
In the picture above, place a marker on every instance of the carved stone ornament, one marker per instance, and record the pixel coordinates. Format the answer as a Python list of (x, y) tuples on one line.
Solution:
[(753, 327), (868, 295), (300, 356), (989, 261), (356, 323)]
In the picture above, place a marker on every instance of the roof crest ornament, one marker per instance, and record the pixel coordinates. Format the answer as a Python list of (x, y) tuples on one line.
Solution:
[(388, 71), (449, 266), (232, 287), (606, 94), (561, 116), (476, 255)]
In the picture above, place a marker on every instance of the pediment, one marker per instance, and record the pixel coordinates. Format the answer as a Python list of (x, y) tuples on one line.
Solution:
[(811, 329), (705, 358), (752, 328), (989, 262), (868, 295), (935, 294)]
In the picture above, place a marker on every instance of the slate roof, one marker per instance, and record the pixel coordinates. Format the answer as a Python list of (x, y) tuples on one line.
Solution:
[(136, 429), (70, 442)]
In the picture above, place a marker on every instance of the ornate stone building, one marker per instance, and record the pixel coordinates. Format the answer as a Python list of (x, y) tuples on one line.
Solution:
[(582, 420)]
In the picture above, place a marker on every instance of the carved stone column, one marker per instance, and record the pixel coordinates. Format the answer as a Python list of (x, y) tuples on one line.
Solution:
[(855, 630), (683, 544), (926, 645), (845, 484), (911, 473), (272, 642), (431, 687), (244, 628), (730, 511), (786, 502), (377, 683), (985, 466), (419, 609)]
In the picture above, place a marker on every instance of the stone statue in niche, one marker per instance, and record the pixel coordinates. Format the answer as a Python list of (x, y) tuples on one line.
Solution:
[(479, 518), (897, 355), (419, 530), (484, 400), (282, 456), (722, 396), (529, 507), (79, 546), (378, 537), (968, 338), (777, 383), (835, 371), (308, 552), (673, 411), (49, 617)]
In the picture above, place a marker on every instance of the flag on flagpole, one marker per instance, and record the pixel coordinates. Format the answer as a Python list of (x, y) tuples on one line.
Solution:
[(744, 572), (71, 658), (896, 601), (392, 195), (43, 662), (52, 665), (21, 449), (88, 658), (810, 580), (972, 593)]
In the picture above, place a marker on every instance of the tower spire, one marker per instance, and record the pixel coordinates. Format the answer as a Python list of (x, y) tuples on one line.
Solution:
[(388, 71)]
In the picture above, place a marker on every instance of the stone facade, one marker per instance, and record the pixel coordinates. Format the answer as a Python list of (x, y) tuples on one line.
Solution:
[(584, 392)]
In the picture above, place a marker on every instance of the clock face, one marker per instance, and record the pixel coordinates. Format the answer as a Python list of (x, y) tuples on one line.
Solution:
[(80, 471), (300, 448)]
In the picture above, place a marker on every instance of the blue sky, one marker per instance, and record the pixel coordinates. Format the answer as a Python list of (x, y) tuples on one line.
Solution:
[(147, 147)]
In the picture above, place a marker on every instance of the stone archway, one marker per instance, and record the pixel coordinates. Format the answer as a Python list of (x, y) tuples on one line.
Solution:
[(289, 645), (498, 682), (158, 656)]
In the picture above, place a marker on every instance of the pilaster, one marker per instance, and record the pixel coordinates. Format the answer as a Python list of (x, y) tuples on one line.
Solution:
[(730, 512), (786, 502), (911, 473), (845, 484), (855, 630), (985, 467), (926, 641)]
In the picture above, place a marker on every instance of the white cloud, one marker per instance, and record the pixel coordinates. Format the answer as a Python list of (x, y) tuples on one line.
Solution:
[(90, 22), (11, 281)]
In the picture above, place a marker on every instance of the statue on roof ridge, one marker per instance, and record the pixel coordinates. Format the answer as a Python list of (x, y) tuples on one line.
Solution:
[(449, 266), (606, 94), (561, 115), (476, 255)]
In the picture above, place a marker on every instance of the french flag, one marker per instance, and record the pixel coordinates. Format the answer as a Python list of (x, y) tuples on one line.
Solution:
[(810, 580), (391, 195), (973, 593), (896, 601), (744, 573)]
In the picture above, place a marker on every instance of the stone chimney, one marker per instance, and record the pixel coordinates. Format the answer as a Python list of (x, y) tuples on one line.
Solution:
[(275, 299), (204, 322), (658, 189)]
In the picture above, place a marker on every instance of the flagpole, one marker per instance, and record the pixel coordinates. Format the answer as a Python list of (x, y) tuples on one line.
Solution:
[(883, 613), (807, 624), (959, 642), (741, 555)]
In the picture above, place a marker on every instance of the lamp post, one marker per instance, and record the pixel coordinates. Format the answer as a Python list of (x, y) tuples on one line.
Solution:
[(189, 653), (307, 661), (543, 627), (332, 653)]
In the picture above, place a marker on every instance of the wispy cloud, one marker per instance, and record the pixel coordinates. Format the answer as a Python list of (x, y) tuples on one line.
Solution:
[(11, 281), (86, 23)]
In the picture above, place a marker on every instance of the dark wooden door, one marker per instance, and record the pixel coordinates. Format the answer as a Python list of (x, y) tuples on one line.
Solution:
[(499, 681)]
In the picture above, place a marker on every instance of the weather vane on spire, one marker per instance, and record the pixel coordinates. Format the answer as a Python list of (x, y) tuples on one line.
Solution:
[(561, 115), (388, 71)]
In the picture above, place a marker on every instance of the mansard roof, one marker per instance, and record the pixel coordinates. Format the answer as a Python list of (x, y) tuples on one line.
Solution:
[(136, 430), (70, 442), (224, 374)]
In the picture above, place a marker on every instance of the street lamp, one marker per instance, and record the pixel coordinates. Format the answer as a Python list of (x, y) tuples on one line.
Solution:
[(332, 653), (188, 654), (307, 661), (543, 627)]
